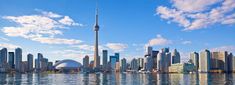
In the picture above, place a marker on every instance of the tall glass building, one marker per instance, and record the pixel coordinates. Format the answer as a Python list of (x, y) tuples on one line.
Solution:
[(18, 59), (105, 59), (29, 62), (11, 60), (3, 56)]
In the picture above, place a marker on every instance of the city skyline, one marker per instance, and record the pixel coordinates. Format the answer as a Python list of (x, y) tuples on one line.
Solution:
[(66, 32)]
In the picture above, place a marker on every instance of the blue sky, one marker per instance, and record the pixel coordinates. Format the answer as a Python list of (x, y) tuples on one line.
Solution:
[(64, 29)]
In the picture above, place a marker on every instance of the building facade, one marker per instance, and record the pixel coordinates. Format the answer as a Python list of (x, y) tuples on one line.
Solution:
[(204, 61), (18, 59)]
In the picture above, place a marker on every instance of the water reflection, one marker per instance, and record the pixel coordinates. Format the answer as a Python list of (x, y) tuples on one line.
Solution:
[(118, 79)]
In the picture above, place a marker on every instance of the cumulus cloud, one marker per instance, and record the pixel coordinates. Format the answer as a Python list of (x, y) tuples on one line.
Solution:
[(9, 46), (117, 47), (40, 27), (159, 40), (198, 14)]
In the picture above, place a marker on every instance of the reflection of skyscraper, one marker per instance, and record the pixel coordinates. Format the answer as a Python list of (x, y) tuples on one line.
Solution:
[(204, 61), (18, 59), (30, 62), (194, 57), (96, 54), (105, 59), (11, 59)]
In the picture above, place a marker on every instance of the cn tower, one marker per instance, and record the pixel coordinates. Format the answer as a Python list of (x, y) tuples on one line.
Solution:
[(96, 49)]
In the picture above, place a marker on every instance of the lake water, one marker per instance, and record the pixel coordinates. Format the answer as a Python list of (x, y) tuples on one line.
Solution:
[(118, 79)]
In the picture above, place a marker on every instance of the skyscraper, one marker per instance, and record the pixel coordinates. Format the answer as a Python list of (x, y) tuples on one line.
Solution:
[(105, 59), (140, 63), (175, 57), (11, 59), (18, 59), (86, 62), (218, 61), (163, 60), (38, 62), (204, 61), (30, 62), (117, 55), (3, 57), (134, 65), (149, 50), (96, 49), (123, 65), (194, 58), (113, 60)]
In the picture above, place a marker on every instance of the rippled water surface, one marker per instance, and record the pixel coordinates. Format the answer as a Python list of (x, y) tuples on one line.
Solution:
[(118, 79)]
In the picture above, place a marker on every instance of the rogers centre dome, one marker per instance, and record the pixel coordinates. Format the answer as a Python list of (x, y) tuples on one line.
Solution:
[(67, 65)]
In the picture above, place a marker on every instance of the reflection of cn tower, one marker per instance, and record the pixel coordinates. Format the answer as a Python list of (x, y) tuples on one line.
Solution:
[(96, 51)]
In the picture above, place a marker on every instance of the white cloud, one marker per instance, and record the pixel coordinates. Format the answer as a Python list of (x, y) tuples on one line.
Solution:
[(186, 42), (224, 48), (159, 40), (68, 21), (49, 40), (9, 46), (40, 27), (193, 5), (198, 14), (117, 47)]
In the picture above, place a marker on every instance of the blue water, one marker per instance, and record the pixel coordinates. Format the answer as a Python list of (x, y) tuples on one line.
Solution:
[(118, 79)]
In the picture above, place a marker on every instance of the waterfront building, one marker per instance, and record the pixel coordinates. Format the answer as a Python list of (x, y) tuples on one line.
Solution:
[(175, 57), (149, 63), (117, 67), (181, 68), (68, 66), (18, 59), (194, 58), (134, 66), (86, 63), (50, 66), (24, 66), (113, 60), (218, 61), (233, 61), (30, 62), (105, 59), (149, 50), (140, 63), (123, 65), (3, 56), (230, 62), (154, 56), (11, 60), (117, 55), (163, 60), (204, 61)]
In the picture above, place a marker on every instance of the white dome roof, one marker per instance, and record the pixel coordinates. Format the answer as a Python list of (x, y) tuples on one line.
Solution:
[(67, 64)]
